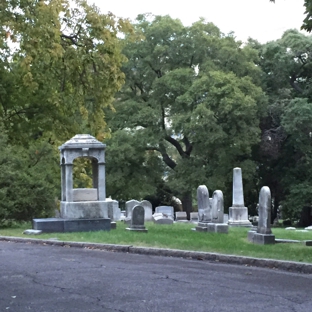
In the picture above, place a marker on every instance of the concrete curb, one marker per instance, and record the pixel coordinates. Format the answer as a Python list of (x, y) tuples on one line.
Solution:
[(291, 266)]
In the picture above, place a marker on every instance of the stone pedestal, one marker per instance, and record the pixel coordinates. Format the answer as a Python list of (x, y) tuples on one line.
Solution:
[(202, 227), (238, 213), (84, 210), (261, 239)]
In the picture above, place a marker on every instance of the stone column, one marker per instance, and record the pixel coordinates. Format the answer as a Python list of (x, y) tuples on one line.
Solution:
[(63, 184), (238, 213), (101, 182), (69, 182), (263, 235), (264, 223), (95, 173)]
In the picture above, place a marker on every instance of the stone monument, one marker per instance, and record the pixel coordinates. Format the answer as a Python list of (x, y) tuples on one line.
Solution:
[(238, 213), (82, 209), (263, 235), (204, 208), (137, 220)]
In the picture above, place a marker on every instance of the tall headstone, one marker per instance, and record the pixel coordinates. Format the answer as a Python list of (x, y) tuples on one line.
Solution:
[(217, 209), (137, 220), (263, 235), (204, 208), (129, 205), (148, 210), (238, 213)]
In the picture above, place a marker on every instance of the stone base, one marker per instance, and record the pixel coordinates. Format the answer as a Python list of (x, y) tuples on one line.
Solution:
[(221, 228), (113, 225), (59, 225), (211, 227), (84, 210), (202, 227), (144, 230), (261, 239), (238, 216)]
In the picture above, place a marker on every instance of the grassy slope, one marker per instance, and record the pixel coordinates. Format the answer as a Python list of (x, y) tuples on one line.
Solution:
[(180, 236)]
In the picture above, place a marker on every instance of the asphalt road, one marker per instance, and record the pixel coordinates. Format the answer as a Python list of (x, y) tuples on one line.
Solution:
[(50, 278)]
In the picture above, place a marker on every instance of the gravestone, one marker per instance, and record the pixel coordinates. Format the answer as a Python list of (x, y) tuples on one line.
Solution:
[(263, 235), (137, 220), (181, 216), (166, 210), (129, 205), (204, 208), (148, 208), (217, 224), (113, 210), (194, 216), (238, 213), (160, 218)]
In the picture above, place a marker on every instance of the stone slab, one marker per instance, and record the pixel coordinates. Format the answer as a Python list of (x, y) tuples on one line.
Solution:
[(201, 229), (137, 230), (85, 194), (180, 215), (113, 225), (211, 227), (87, 225), (32, 232), (221, 228), (261, 239), (49, 225), (59, 225), (84, 210), (308, 243)]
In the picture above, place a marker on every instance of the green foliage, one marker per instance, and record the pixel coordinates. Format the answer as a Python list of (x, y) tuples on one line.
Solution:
[(193, 98), (27, 181), (59, 67)]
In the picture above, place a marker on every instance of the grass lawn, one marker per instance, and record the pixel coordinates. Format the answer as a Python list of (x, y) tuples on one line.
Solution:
[(180, 236)]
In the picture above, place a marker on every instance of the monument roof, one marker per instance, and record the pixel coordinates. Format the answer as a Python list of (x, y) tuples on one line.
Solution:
[(82, 141)]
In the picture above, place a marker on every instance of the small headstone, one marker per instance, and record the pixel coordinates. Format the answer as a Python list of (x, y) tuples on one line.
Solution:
[(167, 210), (263, 235), (308, 228), (148, 210), (113, 210), (203, 204), (290, 228), (161, 218), (137, 221), (181, 216), (194, 216), (217, 210), (129, 205)]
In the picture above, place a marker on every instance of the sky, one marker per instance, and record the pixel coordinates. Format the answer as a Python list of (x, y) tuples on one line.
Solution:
[(258, 19)]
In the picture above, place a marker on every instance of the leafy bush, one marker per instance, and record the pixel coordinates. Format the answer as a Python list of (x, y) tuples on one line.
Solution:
[(27, 181)]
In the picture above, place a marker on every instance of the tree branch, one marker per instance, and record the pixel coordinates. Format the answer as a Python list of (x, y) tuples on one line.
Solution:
[(188, 146), (162, 150), (176, 144)]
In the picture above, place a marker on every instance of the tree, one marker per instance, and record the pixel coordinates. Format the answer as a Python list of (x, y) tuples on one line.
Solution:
[(285, 150), (193, 97), (59, 67)]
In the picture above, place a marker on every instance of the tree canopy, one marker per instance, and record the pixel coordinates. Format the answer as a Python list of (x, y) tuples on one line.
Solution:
[(193, 97)]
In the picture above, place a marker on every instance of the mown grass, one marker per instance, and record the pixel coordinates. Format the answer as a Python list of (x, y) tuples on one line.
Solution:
[(180, 236)]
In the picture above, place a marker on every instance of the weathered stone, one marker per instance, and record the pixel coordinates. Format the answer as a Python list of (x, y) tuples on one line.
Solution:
[(217, 209), (181, 216), (238, 213), (85, 194), (148, 208), (221, 228), (113, 210), (203, 204), (137, 220), (264, 222), (160, 218), (194, 216), (263, 235), (166, 210), (32, 232), (129, 205), (211, 227), (84, 210)]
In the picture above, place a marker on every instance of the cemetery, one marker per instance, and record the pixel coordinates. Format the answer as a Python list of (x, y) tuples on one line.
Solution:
[(88, 211)]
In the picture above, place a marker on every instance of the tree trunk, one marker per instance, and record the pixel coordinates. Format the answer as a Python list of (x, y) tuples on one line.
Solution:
[(187, 203)]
